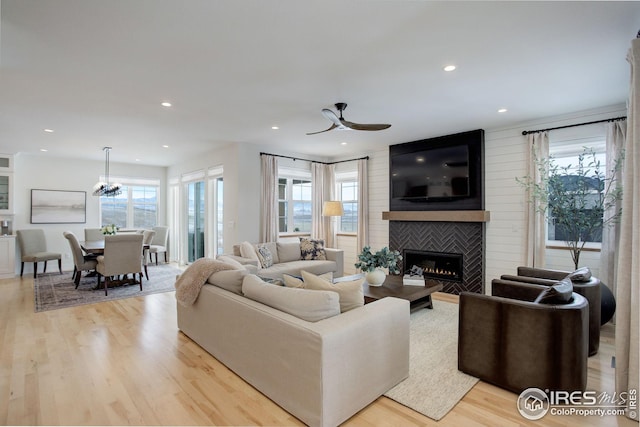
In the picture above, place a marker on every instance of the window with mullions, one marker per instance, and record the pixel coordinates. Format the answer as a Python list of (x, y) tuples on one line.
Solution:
[(135, 207), (565, 155), (348, 191), (294, 205)]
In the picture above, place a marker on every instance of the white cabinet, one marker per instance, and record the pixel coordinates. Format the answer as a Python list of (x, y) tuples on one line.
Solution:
[(7, 256), (6, 184)]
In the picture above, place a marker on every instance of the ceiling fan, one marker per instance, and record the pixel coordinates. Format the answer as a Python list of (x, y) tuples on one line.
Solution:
[(341, 124)]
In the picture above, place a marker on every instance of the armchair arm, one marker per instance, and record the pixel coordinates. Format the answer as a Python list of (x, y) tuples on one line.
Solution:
[(516, 290)]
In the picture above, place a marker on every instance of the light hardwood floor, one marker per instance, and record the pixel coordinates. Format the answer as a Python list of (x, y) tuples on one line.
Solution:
[(125, 363)]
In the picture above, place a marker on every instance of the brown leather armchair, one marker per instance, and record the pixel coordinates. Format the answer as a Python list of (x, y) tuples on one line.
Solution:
[(590, 289), (511, 341)]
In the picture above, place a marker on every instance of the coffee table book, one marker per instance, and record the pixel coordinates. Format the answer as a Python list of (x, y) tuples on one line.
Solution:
[(409, 280)]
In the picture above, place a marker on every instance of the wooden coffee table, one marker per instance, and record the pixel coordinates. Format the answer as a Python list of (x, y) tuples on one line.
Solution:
[(418, 296)]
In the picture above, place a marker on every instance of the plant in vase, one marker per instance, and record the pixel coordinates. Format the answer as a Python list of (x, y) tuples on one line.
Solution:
[(373, 263), (109, 230)]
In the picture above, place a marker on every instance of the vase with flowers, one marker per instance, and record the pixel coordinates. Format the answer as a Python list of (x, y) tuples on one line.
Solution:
[(109, 229), (372, 264)]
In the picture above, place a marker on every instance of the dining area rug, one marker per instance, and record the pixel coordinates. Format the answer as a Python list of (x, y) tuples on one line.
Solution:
[(54, 290)]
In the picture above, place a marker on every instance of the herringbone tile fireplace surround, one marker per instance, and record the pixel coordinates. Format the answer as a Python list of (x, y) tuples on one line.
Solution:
[(466, 238)]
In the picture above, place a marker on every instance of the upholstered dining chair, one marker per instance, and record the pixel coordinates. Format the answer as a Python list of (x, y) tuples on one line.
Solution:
[(159, 242), (92, 234), (33, 248), (146, 244), (81, 262), (122, 256)]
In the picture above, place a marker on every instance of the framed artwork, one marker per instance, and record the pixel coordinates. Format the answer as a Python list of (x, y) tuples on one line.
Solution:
[(58, 207)]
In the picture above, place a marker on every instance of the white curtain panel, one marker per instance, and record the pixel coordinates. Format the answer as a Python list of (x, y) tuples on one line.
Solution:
[(538, 144), (330, 194), (317, 199), (363, 204), (269, 199), (616, 133), (628, 267)]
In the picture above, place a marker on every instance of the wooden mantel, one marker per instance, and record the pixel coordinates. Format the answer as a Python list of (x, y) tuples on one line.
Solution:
[(447, 216)]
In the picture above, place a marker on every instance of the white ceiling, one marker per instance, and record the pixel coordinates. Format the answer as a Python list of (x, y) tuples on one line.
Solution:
[(95, 71)]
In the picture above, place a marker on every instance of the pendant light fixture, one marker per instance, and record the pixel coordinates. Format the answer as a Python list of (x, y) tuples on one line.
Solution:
[(105, 188)]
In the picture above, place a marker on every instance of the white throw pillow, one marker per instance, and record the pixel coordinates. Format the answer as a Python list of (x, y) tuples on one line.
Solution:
[(297, 282), (230, 261), (247, 250), (351, 293), (311, 306)]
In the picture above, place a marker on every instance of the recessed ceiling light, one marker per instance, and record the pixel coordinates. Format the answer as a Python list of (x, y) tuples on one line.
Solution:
[(44, 150), (449, 68), (343, 143), (165, 104), (420, 159), (275, 127), (137, 160), (165, 146), (48, 130), (502, 110)]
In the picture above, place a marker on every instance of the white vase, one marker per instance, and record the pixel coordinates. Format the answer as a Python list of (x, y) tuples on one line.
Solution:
[(376, 277)]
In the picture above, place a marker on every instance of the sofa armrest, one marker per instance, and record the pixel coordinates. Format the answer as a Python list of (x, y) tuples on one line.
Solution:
[(336, 255)]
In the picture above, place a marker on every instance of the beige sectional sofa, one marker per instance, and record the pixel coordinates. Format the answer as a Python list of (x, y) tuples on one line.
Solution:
[(322, 372), (287, 260)]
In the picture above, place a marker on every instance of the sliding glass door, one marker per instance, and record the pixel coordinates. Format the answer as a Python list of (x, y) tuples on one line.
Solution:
[(195, 220)]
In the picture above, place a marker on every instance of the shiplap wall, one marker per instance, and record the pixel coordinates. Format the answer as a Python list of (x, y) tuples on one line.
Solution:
[(505, 159)]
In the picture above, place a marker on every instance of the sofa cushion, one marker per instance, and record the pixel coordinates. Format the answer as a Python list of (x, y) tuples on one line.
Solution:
[(230, 280), (295, 267), (312, 249), (247, 250), (560, 293), (288, 251), (264, 255), (229, 260), (291, 281), (311, 306), (351, 293)]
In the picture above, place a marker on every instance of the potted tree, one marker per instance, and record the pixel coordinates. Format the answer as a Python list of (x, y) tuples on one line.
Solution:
[(575, 197), (373, 263)]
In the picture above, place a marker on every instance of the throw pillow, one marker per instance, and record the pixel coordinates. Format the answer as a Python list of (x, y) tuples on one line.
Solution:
[(297, 281), (288, 251), (311, 306), (351, 293), (230, 261), (264, 255), (582, 274), (559, 293), (312, 249), (247, 250), (229, 280)]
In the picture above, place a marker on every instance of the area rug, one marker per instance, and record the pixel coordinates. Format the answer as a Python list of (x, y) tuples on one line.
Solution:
[(434, 385), (55, 290)]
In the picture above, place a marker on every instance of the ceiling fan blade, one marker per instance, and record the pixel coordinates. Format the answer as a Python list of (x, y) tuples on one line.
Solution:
[(329, 114), (333, 126), (358, 126)]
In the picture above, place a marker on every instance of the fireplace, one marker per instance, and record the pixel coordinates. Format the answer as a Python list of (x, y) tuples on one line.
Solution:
[(436, 265)]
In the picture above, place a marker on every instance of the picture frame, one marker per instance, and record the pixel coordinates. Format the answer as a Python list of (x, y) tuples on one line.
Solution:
[(58, 207)]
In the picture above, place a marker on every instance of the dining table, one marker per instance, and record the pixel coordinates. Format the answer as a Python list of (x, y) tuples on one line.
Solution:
[(96, 247)]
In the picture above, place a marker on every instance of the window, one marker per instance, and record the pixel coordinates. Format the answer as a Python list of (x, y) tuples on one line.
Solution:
[(348, 194), (135, 207), (294, 205), (565, 155)]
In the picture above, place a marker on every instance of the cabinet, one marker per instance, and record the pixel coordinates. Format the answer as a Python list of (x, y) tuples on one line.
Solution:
[(7, 256), (6, 184)]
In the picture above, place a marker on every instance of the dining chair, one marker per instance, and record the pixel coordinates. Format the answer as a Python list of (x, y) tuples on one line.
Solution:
[(81, 262), (159, 242), (91, 234), (122, 256), (33, 248), (146, 244)]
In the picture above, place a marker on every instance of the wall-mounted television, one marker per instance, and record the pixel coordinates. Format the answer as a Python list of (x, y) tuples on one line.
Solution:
[(443, 173)]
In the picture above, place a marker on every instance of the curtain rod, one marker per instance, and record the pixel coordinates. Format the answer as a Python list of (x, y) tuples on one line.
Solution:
[(527, 132), (314, 161)]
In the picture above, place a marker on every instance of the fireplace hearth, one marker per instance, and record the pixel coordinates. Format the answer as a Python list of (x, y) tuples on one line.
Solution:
[(436, 265)]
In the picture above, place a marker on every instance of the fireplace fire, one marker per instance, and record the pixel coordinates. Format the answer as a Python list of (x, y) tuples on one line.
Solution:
[(438, 265)]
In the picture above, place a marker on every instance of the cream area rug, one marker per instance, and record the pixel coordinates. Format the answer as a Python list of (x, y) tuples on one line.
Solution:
[(54, 290), (434, 385)]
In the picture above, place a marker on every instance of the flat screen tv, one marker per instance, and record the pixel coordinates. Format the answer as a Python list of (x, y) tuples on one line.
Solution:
[(443, 173)]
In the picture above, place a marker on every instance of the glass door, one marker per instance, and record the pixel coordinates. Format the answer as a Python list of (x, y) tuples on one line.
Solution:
[(195, 220)]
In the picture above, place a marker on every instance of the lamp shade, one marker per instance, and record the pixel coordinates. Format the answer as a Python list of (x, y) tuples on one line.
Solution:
[(332, 208)]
